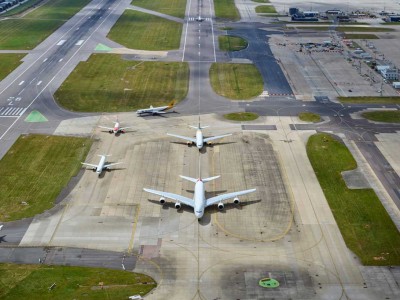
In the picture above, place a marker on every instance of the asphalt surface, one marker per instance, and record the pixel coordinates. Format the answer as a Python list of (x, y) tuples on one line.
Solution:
[(32, 84)]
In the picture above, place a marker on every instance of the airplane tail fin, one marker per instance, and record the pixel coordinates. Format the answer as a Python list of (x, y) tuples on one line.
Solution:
[(210, 178), (188, 178), (198, 126), (151, 106), (171, 104)]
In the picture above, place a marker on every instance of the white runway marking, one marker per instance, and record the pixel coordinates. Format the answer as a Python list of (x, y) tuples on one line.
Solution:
[(61, 42), (60, 60), (11, 111), (39, 83), (80, 42), (44, 60), (21, 83)]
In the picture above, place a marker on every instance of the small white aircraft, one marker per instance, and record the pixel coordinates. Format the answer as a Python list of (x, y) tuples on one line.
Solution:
[(155, 110), (199, 141), (102, 165), (116, 129), (199, 201)]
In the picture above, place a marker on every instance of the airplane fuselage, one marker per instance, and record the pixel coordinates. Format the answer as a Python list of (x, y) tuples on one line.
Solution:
[(199, 139), (199, 199), (101, 164), (116, 128), (154, 110)]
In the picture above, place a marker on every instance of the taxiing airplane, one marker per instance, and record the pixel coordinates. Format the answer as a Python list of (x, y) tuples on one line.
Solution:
[(102, 165), (116, 129), (199, 141), (199, 201), (155, 110)]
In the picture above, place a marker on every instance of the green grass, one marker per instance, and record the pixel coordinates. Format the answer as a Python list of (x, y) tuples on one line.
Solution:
[(241, 116), (231, 43), (107, 83), (363, 221), (33, 282), (236, 81), (388, 116), (309, 117), (372, 99), (390, 23), (362, 29), (360, 36), (21, 8), (265, 9), (174, 8), (35, 170), (137, 30), (226, 9), (347, 28), (30, 30), (8, 62)]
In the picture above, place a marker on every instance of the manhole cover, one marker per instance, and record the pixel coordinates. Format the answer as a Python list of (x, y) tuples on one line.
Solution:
[(268, 283)]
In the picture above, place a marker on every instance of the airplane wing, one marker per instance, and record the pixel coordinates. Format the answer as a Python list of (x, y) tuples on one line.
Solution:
[(174, 197), (89, 165), (216, 137), (224, 197), (108, 128), (113, 164), (123, 128), (183, 137)]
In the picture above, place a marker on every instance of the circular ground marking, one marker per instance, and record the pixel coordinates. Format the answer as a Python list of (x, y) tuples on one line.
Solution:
[(268, 283)]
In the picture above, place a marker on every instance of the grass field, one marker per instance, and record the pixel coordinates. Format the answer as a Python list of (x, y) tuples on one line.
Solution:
[(241, 116), (137, 30), (309, 117), (390, 23), (363, 221), (226, 9), (360, 36), (35, 170), (174, 8), (122, 85), (33, 282), (8, 62), (265, 9), (28, 31), (362, 29), (231, 43), (347, 28), (387, 116), (376, 100), (236, 81)]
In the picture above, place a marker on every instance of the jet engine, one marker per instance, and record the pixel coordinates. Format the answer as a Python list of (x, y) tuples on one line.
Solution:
[(189, 144), (110, 131), (236, 200), (220, 206), (94, 169), (177, 205), (162, 200)]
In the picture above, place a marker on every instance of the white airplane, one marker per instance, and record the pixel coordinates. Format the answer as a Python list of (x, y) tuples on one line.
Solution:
[(116, 129), (102, 165), (155, 110), (199, 141), (199, 201)]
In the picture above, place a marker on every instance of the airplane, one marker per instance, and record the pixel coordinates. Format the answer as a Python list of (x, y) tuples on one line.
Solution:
[(155, 110), (199, 201), (102, 165), (199, 141), (116, 129)]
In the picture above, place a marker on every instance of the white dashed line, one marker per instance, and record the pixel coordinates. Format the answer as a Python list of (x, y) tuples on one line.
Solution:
[(60, 60), (80, 42), (61, 42), (44, 60), (39, 83), (21, 83)]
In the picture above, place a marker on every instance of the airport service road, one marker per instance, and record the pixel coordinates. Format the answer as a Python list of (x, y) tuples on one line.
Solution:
[(32, 84)]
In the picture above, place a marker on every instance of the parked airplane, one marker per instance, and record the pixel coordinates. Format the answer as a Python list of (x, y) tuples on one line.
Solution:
[(199, 141), (155, 110), (102, 165), (199, 201), (116, 129)]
